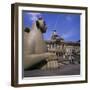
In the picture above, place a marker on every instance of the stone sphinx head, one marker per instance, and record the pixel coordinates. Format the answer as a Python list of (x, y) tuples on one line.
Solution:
[(40, 23)]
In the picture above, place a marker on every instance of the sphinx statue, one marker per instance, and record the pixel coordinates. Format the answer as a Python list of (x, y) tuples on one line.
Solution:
[(35, 49)]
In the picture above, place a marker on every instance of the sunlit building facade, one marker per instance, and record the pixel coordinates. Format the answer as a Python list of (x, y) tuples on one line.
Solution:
[(66, 52)]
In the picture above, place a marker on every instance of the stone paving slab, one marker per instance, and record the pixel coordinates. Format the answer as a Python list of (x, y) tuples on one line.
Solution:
[(70, 69)]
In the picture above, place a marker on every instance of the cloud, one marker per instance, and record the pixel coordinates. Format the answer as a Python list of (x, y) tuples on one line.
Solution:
[(69, 18), (34, 16), (68, 35)]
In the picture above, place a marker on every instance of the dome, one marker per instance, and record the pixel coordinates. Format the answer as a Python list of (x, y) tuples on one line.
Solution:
[(55, 36)]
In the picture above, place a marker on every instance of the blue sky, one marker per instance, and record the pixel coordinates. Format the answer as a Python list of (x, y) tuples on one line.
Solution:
[(66, 25)]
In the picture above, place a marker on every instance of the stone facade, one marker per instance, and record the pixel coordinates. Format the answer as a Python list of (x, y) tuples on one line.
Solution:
[(65, 52)]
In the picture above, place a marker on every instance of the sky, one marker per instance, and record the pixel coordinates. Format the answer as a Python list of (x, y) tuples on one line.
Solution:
[(66, 25)]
